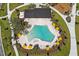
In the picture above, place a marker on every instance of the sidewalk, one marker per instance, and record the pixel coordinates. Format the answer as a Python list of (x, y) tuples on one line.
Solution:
[(1, 47)]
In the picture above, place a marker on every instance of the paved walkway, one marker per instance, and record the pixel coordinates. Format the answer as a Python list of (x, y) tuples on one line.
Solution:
[(1, 46), (71, 27)]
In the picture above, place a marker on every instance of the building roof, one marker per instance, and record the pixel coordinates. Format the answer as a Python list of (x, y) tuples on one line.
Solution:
[(37, 13)]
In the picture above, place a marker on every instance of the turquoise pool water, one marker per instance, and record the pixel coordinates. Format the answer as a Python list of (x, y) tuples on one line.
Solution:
[(42, 32)]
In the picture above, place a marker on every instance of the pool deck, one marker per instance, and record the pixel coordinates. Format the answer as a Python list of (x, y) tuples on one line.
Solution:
[(42, 44)]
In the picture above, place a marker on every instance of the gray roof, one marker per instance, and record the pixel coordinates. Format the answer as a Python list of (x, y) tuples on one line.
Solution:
[(37, 13)]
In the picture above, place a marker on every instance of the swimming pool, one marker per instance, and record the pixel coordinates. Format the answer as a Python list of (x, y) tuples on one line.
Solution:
[(42, 32)]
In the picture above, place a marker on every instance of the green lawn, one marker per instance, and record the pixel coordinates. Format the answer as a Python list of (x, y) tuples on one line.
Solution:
[(77, 28), (3, 10), (77, 32), (6, 37), (65, 49), (14, 5), (77, 7)]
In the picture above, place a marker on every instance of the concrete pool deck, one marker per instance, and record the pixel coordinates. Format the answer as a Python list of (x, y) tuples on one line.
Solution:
[(42, 44)]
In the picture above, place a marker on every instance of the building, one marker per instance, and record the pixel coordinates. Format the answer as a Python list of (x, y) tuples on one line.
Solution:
[(36, 13)]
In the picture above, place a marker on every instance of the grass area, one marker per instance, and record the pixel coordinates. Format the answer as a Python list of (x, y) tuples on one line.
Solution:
[(14, 5), (6, 37), (77, 32), (31, 5), (77, 7), (64, 49), (77, 29), (3, 10)]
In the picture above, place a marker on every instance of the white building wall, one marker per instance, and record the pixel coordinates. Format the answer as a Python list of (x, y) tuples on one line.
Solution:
[(21, 15)]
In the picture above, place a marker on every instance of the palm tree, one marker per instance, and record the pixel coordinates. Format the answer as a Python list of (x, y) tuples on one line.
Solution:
[(76, 22), (59, 48), (27, 54), (68, 19), (3, 18), (47, 53), (78, 42), (9, 54)]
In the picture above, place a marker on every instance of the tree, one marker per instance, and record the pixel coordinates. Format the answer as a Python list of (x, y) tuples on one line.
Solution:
[(64, 43), (53, 4), (76, 22), (78, 42), (6, 28), (18, 25), (31, 5), (59, 48), (68, 19), (3, 18), (47, 53), (27, 54), (9, 54)]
